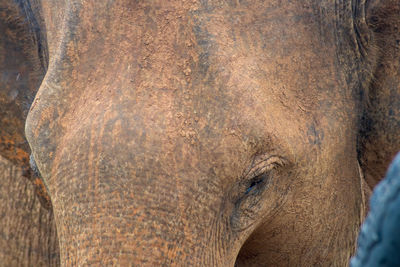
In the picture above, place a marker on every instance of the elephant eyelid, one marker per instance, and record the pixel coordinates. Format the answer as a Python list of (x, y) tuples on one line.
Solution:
[(255, 182), (263, 164), (258, 174)]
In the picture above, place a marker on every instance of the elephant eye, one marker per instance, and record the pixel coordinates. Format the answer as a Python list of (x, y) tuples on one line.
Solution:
[(251, 189), (258, 174), (256, 183)]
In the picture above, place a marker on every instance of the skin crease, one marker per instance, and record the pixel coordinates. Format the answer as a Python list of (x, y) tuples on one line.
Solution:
[(27, 229), (210, 133)]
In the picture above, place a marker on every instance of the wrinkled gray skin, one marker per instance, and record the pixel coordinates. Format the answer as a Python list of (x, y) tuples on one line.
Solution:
[(27, 230), (213, 133)]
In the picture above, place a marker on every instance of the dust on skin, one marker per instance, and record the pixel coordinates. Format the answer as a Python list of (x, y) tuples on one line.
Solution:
[(246, 125)]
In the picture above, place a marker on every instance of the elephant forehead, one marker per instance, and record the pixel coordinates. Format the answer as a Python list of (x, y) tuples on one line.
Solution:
[(198, 73), (174, 42)]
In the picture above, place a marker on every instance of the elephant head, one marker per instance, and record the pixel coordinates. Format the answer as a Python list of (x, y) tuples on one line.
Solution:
[(213, 133)]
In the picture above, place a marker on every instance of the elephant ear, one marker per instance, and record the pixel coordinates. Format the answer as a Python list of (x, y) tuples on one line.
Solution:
[(378, 139), (22, 67), (379, 239)]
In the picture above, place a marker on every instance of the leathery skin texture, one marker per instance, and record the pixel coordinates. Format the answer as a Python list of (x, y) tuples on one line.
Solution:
[(213, 133), (28, 235)]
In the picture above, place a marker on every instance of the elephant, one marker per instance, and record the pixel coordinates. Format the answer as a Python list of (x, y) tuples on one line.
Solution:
[(28, 235), (202, 133)]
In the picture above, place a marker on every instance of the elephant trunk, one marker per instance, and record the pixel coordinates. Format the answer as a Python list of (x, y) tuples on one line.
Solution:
[(138, 219)]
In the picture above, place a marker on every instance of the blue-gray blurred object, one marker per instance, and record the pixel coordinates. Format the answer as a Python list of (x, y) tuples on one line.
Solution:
[(379, 240)]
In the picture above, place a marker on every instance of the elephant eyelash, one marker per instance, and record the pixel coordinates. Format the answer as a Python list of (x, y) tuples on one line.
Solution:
[(262, 164), (256, 182), (251, 189), (258, 175)]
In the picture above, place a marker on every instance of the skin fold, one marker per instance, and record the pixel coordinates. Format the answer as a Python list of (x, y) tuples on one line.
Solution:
[(212, 133)]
